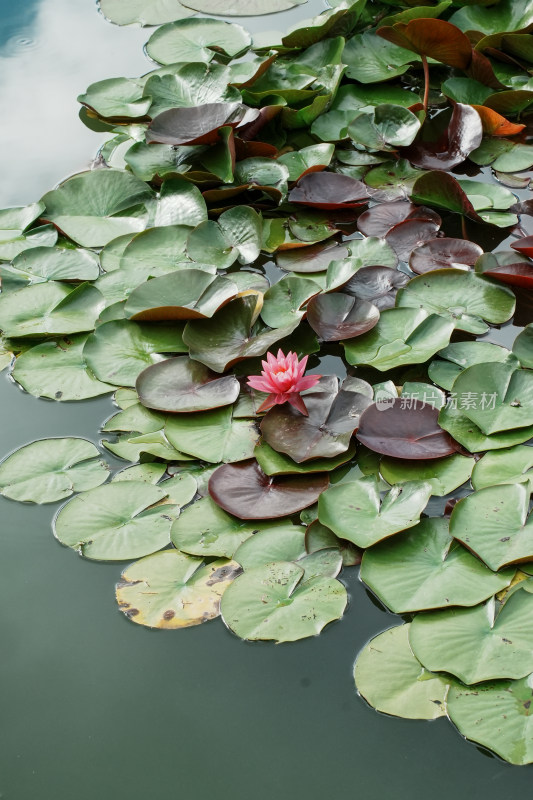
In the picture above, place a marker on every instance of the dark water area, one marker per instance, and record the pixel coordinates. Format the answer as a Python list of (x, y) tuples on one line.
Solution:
[(94, 707)]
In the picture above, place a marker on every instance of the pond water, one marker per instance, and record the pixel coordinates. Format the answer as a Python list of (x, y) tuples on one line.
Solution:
[(94, 707)]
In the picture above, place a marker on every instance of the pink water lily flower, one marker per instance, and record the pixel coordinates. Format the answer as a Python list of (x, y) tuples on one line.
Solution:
[(283, 378)]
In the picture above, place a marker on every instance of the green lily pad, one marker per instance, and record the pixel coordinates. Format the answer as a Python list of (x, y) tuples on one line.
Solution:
[(425, 568), (213, 436), (272, 602), (507, 15), (393, 681), (236, 236), (190, 85), (283, 302), (478, 715), (469, 299), (402, 336), (496, 397), (308, 159), (51, 469), (40, 264), (355, 511), (513, 465), (118, 351), (171, 590), (319, 537), (183, 385), (187, 294), (199, 39), (204, 529), (93, 208), (382, 60), (231, 335), (271, 544), (120, 98), (460, 355), (150, 472), (477, 644), (58, 370), (444, 474), (274, 463), (503, 155), (14, 221), (242, 8), (50, 308), (115, 522), (10, 247), (143, 12), (523, 346), (494, 524), (385, 128)]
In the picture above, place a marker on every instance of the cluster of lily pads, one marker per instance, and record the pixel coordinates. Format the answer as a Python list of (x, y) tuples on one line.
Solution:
[(317, 191)]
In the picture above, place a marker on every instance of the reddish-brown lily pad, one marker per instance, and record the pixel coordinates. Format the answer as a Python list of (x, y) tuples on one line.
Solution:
[(380, 219), (378, 285), (333, 416), (444, 254), (461, 137), (496, 125), (329, 190), (524, 246), (336, 315), (183, 385), (246, 492), (431, 37), (405, 429)]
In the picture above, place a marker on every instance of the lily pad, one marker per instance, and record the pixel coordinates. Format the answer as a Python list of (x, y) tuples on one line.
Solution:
[(444, 474), (329, 190), (58, 370), (199, 39), (283, 302), (333, 415), (274, 463), (444, 254), (115, 522), (402, 336), (459, 355), (382, 62), (425, 568), (393, 681), (213, 436), (187, 294), (523, 346), (93, 208), (493, 523), (144, 12), (232, 335), (470, 300), (478, 715), (118, 351), (51, 469), (385, 128), (41, 264), (513, 465), (355, 511), (275, 544), (117, 98), (246, 492), (171, 590), (182, 385), (477, 644), (204, 529), (236, 236), (407, 430), (273, 602), (50, 308)]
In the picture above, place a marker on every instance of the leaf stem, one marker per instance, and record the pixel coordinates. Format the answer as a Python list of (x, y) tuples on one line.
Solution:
[(463, 228), (426, 82)]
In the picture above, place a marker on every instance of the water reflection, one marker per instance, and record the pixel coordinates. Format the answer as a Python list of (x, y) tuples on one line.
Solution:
[(48, 55)]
